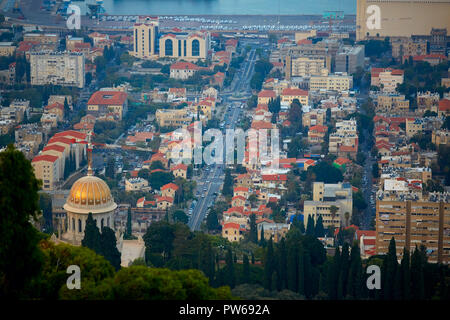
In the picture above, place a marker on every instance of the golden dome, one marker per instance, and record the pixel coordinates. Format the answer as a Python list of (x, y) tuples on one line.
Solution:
[(90, 194)]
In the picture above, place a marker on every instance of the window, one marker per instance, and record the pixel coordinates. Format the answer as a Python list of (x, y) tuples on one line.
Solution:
[(79, 225), (73, 224), (195, 48), (150, 41), (168, 47), (102, 223)]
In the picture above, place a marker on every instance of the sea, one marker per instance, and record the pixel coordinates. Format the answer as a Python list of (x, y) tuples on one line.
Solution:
[(224, 7)]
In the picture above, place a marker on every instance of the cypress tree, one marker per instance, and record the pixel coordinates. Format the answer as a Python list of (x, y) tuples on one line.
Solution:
[(230, 276), (292, 267), (253, 236), (406, 275), (310, 226), (235, 258), (333, 275), (91, 238), (302, 227), (390, 268), (355, 273), (262, 240), (128, 232), (343, 272), (282, 265), (319, 229), (246, 269), (253, 258), (109, 249), (301, 272), (417, 278), (268, 265)]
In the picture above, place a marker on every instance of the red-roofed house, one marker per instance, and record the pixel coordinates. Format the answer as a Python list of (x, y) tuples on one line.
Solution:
[(47, 168), (238, 201), (386, 78), (265, 96), (163, 202), (183, 70), (168, 190), (241, 191), (102, 103), (180, 170), (56, 108), (444, 108), (232, 231), (316, 134), (289, 94)]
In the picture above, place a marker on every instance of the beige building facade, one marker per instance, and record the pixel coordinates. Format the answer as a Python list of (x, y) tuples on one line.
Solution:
[(58, 68), (402, 18)]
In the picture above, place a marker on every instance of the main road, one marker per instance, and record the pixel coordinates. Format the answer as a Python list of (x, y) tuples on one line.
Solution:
[(211, 180)]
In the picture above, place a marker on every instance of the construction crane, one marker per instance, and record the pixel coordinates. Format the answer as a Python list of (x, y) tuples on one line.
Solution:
[(333, 15)]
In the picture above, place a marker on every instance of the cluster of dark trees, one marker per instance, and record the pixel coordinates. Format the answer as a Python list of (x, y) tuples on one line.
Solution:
[(104, 243), (70, 165), (262, 69), (31, 267)]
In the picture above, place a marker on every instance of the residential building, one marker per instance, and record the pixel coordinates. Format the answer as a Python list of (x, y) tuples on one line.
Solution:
[(415, 223), (314, 117), (332, 82), (232, 231), (173, 117), (58, 68), (145, 38), (392, 104), (326, 196), (403, 48), (439, 137), (316, 134), (349, 59), (307, 66), (288, 95), (265, 96), (136, 184), (414, 126), (47, 169), (104, 103), (386, 79), (183, 70), (7, 49)]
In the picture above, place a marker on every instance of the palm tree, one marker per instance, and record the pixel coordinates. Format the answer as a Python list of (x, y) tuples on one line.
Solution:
[(333, 210), (347, 217)]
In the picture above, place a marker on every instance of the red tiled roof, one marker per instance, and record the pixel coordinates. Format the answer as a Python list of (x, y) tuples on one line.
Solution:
[(444, 105), (55, 147), (348, 148), (108, 98), (274, 177), (71, 133), (267, 94), (319, 128), (294, 92), (180, 166), (170, 185), (341, 161), (261, 125), (232, 225), (65, 140), (45, 157), (55, 105), (168, 199), (238, 197), (238, 189), (184, 66)]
